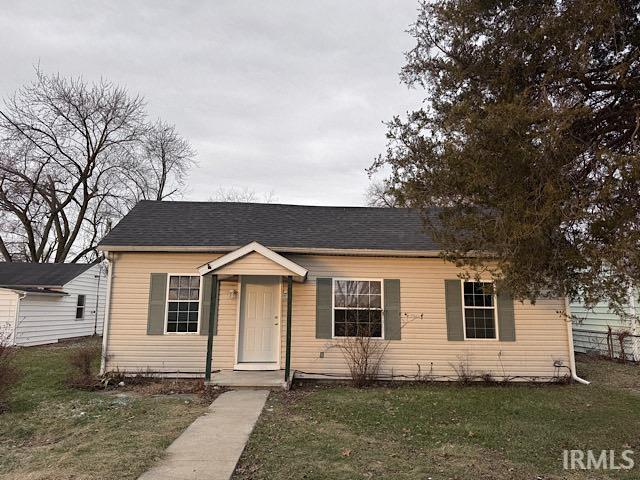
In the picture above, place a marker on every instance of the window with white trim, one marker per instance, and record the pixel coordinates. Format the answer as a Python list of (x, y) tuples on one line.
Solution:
[(357, 308), (479, 310), (80, 305), (183, 303)]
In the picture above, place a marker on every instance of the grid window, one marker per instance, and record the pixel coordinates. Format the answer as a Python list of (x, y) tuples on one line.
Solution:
[(183, 304), (479, 310), (80, 304), (357, 308)]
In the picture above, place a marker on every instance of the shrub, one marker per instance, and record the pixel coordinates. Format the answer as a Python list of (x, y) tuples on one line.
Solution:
[(9, 372), (363, 355), (81, 360)]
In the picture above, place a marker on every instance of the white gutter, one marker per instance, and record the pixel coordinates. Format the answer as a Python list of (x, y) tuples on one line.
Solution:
[(367, 252), (572, 358), (107, 314)]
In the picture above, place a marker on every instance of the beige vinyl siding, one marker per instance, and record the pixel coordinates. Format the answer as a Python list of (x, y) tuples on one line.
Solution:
[(253, 264), (541, 333)]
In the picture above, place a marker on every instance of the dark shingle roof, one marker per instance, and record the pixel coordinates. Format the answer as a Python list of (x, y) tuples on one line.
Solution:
[(227, 224), (39, 274)]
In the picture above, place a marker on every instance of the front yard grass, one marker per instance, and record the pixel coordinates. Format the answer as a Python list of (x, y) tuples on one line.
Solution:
[(54, 432), (446, 431)]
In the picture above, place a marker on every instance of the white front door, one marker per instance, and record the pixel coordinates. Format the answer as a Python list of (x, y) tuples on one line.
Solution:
[(259, 329)]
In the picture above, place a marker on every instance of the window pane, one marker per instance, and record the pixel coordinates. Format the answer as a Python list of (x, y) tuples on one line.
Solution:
[(183, 316), (172, 327), (80, 300), (193, 327), (172, 316), (363, 301), (173, 294), (194, 294), (174, 282), (184, 282), (340, 329), (352, 294), (479, 323), (488, 300), (183, 294), (195, 282), (351, 299), (363, 288), (374, 288), (340, 316), (79, 312), (374, 301), (351, 329), (193, 316), (182, 326), (376, 330), (468, 300), (340, 300)]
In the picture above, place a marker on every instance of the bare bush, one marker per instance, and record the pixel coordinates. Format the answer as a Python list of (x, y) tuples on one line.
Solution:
[(463, 370), (9, 372), (363, 355), (82, 361)]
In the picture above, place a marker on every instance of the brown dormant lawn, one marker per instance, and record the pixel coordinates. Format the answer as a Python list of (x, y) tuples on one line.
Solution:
[(54, 432), (436, 431)]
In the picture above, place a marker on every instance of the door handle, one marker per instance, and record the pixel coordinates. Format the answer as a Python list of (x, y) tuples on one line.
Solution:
[(276, 323)]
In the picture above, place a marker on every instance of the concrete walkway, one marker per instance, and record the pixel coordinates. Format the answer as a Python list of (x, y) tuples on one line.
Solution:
[(211, 446)]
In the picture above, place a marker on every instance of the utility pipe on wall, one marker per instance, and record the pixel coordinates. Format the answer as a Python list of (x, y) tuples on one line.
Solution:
[(572, 358)]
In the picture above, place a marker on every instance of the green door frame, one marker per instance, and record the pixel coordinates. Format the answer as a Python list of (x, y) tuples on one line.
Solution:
[(213, 317), (287, 363)]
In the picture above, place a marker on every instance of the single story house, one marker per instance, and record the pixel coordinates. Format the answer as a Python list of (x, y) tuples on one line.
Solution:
[(196, 287), (600, 331), (46, 302)]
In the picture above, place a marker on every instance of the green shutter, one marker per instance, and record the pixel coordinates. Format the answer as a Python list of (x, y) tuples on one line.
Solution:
[(205, 311), (453, 305), (157, 303), (324, 305), (392, 320), (506, 319)]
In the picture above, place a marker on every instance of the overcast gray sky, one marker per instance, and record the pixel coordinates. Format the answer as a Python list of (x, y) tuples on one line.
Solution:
[(282, 96)]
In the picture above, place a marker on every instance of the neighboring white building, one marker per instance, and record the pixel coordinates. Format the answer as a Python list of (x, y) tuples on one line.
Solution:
[(591, 329), (46, 302)]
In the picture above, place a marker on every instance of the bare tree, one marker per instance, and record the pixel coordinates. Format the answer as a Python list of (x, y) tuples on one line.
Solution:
[(164, 164), (242, 195), (379, 195), (69, 153)]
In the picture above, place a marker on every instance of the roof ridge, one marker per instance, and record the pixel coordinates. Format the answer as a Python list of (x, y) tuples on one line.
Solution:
[(205, 202)]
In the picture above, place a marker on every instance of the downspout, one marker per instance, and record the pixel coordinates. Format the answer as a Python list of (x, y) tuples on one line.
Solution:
[(634, 328), (572, 358), (20, 296), (95, 322), (107, 314)]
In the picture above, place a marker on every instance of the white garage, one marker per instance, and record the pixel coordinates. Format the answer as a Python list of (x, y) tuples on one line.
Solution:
[(46, 302)]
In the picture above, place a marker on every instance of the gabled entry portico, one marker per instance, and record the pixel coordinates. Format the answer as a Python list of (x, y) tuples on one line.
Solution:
[(260, 274)]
